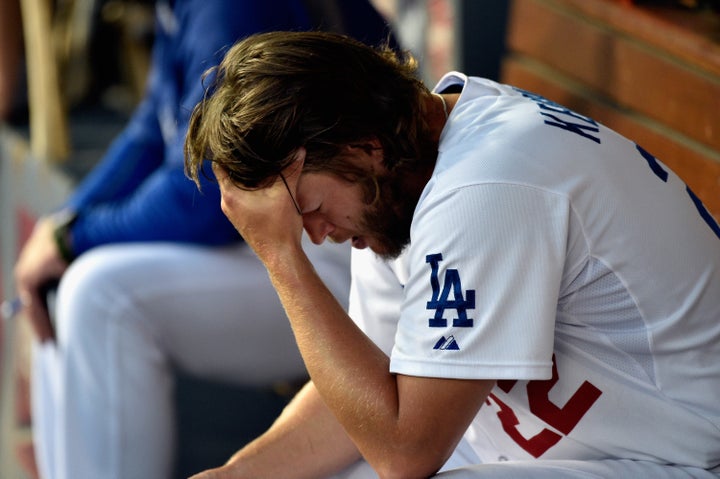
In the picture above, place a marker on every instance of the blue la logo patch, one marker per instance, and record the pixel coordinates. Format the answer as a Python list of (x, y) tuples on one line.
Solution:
[(441, 301)]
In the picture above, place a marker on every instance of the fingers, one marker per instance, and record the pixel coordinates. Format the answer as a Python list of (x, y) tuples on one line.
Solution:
[(265, 217), (35, 309), (292, 171), (37, 270)]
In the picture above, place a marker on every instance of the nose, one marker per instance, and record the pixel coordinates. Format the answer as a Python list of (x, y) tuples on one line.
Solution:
[(317, 227)]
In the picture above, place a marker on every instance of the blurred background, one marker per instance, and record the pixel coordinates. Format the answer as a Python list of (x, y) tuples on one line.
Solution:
[(71, 72)]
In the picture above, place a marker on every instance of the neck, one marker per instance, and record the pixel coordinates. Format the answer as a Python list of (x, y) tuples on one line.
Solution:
[(444, 104), (439, 107)]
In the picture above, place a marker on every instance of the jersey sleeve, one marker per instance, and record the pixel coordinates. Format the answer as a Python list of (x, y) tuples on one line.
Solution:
[(485, 267), (375, 297)]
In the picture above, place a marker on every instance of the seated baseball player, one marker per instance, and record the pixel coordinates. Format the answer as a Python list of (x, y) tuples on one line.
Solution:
[(533, 296)]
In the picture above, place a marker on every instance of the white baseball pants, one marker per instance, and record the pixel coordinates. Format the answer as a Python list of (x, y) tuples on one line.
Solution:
[(127, 315)]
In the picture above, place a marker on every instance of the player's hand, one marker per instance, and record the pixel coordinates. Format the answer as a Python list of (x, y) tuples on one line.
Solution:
[(267, 218), (39, 263)]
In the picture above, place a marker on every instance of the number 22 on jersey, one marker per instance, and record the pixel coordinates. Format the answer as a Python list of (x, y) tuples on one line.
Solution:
[(562, 419)]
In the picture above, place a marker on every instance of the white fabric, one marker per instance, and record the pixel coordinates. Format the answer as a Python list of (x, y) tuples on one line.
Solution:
[(127, 315), (552, 470), (558, 469), (462, 456), (580, 271), (464, 464)]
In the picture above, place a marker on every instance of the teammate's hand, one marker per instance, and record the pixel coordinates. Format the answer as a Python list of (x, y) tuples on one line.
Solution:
[(39, 263), (266, 218)]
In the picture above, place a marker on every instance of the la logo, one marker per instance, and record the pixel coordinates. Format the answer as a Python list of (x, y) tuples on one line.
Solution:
[(441, 299)]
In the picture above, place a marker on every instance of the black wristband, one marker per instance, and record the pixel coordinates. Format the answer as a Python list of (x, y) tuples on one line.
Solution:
[(61, 234)]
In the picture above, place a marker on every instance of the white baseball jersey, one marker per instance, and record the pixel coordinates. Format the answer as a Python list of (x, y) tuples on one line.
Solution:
[(552, 254)]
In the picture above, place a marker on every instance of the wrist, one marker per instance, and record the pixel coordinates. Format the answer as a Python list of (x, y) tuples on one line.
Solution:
[(62, 224)]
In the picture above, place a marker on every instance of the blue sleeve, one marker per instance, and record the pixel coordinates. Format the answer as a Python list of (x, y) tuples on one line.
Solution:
[(132, 156), (139, 191)]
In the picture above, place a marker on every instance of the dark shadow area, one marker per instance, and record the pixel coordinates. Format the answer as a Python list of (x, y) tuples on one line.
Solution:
[(215, 420)]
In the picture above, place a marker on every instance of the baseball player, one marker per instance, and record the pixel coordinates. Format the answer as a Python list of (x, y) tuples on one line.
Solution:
[(533, 295)]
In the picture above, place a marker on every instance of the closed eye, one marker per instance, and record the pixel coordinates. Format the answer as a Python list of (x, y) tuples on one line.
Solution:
[(308, 211)]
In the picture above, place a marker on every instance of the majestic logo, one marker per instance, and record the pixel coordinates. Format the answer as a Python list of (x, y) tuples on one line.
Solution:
[(445, 344), (441, 298)]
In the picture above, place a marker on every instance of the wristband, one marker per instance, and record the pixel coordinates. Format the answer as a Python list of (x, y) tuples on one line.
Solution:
[(61, 234)]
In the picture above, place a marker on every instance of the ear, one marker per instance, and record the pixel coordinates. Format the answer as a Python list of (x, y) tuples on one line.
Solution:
[(377, 156), (375, 143), (373, 153)]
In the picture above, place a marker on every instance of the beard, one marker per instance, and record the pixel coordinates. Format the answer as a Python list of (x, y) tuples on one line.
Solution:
[(389, 218), (390, 214)]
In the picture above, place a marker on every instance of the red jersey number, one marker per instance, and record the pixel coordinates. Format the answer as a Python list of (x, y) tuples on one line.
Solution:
[(562, 419)]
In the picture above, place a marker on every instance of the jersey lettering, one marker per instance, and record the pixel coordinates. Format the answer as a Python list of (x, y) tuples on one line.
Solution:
[(441, 298), (562, 419), (552, 110), (704, 213), (653, 164), (661, 173), (572, 127)]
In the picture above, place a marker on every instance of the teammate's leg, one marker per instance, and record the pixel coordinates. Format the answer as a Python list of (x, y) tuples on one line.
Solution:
[(126, 316), (236, 327), (463, 464)]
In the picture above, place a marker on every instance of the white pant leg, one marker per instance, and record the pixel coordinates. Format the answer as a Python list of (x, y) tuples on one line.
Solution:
[(358, 470), (465, 464), (609, 469), (126, 314), (567, 469)]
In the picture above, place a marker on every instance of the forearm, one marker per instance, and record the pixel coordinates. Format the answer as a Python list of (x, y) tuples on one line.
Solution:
[(401, 424), (305, 442), (350, 372)]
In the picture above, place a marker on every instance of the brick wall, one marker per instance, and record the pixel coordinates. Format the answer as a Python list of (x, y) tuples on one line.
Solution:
[(652, 73)]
